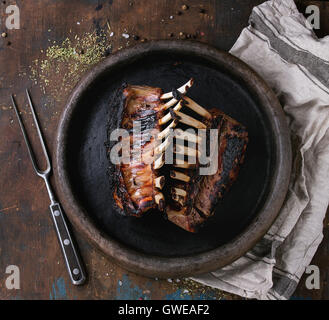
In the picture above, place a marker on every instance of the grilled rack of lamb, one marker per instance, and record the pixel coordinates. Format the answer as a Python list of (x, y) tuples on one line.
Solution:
[(190, 198), (138, 182)]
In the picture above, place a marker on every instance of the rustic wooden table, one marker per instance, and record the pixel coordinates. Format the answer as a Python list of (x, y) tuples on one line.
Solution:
[(94, 29)]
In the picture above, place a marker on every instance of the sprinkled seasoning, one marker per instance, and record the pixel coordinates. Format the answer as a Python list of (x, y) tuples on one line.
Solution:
[(62, 64), (193, 288)]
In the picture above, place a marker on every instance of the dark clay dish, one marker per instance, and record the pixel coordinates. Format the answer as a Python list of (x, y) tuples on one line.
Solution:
[(150, 245)]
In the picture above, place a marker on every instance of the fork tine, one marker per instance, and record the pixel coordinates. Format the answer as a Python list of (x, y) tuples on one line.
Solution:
[(39, 132), (27, 142)]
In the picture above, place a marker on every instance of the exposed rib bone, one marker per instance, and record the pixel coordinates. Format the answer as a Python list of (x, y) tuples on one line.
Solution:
[(158, 197), (197, 108), (180, 134), (178, 191), (168, 116), (159, 182), (164, 133), (158, 163), (186, 151), (169, 104), (179, 176), (190, 121), (159, 200), (163, 146), (182, 90)]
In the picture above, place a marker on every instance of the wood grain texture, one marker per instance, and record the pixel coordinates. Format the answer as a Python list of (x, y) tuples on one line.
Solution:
[(27, 238)]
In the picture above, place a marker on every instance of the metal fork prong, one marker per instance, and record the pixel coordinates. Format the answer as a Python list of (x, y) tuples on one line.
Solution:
[(47, 170), (72, 260), (27, 142)]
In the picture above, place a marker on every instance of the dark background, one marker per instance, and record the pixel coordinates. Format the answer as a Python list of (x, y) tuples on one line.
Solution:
[(27, 238)]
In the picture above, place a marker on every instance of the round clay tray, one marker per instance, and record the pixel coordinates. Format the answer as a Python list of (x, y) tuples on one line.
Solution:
[(151, 245)]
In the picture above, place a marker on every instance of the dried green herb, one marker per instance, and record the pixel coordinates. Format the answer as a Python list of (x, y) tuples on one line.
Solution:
[(62, 64)]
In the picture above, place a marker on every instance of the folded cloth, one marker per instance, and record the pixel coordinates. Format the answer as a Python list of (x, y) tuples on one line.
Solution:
[(280, 45)]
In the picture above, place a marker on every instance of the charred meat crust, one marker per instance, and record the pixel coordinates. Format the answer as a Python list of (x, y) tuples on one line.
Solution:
[(133, 183), (190, 203), (233, 139), (205, 192)]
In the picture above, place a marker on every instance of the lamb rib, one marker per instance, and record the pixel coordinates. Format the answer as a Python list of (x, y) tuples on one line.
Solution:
[(137, 184), (191, 198), (194, 197), (137, 187)]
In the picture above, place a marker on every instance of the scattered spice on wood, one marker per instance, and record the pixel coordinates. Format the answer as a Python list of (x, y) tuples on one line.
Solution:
[(184, 7), (194, 289), (3, 34), (170, 35), (182, 35), (136, 37), (179, 13), (62, 64)]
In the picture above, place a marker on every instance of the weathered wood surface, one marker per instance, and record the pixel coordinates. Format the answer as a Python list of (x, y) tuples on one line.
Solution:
[(27, 238)]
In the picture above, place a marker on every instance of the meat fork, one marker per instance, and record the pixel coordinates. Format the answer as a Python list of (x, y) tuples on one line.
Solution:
[(69, 249)]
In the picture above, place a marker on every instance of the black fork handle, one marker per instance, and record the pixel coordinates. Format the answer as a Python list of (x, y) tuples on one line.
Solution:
[(72, 259)]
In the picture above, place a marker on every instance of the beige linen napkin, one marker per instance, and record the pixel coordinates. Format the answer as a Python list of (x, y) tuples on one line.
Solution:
[(280, 45)]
